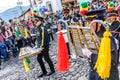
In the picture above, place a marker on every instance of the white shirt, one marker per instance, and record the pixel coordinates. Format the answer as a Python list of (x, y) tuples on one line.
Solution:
[(64, 35)]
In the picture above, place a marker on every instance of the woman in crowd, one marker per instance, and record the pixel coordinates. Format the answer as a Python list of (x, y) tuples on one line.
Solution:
[(7, 34), (3, 51)]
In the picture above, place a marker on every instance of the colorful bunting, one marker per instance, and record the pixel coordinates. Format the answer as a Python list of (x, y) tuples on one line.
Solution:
[(27, 69)]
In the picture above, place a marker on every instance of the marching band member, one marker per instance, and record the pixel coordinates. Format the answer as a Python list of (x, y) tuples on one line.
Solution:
[(114, 26), (27, 36), (43, 40), (99, 30), (67, 17)]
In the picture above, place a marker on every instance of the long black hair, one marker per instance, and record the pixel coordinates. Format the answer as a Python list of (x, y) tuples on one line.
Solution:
[(3, 30)]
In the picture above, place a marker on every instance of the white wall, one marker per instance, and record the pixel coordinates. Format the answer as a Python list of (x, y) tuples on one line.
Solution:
[(83, 0), (56, 4), (59, 5)]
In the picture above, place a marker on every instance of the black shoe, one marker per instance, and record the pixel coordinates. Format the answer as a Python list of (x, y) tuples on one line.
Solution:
[(50, 73), (43, 74)]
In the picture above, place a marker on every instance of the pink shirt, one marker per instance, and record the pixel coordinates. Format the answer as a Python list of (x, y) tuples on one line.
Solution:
[(1, 38)]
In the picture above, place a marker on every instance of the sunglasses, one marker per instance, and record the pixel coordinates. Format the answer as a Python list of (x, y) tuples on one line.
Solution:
[(36, 21), (66, 12)]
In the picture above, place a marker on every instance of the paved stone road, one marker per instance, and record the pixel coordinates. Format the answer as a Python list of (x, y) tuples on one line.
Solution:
[(14, 70)]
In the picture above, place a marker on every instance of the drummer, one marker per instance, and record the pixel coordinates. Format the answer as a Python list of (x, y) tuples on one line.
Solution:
[(67, 17), (99, 30), (112, 20), (95, 15), (114, 26), (114, 74), (77, 16)]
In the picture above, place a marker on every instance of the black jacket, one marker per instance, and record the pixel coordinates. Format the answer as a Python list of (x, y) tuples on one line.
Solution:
[(115, 26), (43, 38), (114, 75)]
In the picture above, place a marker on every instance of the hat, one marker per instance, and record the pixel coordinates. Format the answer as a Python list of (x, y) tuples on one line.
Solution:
[(95, 14), (38, 18), (113, 13), (76, 6), (66, 10)]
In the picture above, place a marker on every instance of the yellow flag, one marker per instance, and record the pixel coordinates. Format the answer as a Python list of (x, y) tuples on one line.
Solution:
[(26, 66), (103, 64), (26, 32)]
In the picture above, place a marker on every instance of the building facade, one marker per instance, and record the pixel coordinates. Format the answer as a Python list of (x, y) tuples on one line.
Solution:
[(52, 5)]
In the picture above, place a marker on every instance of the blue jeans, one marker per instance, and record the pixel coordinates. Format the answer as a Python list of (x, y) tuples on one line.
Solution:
[(3, 51), (8, 44)]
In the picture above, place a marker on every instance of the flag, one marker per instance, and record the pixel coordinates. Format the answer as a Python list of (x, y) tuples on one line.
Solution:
[(27, 69)]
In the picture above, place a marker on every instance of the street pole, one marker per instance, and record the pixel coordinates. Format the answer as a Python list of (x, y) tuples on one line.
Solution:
[(31, 6), (19, 3)]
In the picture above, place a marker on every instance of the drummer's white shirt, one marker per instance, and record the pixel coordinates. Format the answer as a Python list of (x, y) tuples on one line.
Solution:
[(64, 35)]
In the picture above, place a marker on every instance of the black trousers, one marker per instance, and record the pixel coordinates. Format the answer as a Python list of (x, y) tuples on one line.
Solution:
[(68, 48), (51, 35), (19, 44), (45, 54), (27, 42), (114, 73)]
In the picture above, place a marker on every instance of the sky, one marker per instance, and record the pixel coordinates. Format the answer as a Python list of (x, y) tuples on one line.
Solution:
[(6, 4)]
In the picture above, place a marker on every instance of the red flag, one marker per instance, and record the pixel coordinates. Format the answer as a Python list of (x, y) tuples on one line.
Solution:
[(63, 59)]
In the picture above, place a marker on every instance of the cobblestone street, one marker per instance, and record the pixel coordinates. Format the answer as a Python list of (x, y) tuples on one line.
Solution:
[(14, 69)]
